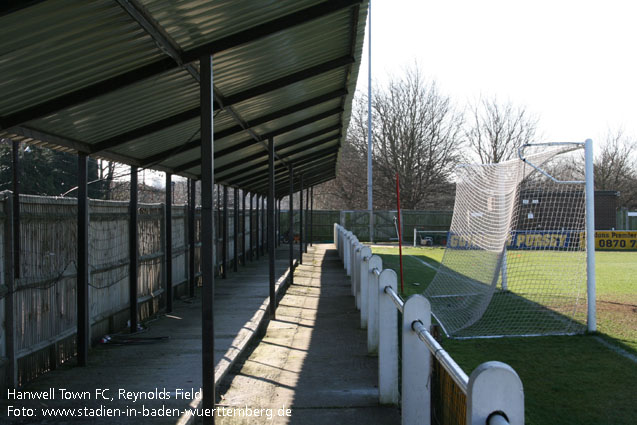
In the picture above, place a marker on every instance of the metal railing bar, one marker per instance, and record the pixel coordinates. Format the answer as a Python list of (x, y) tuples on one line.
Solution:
[(497, 418), (400, 304), (455, 371)]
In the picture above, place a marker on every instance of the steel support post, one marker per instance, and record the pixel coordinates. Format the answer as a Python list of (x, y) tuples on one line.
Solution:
[(311, 215), (235, 226), (256, 230), (263, 226), (271, 247), (307, 220), (133, 250), (192, 194), (278, 220), (207, 238), (243, 230), (9, 301), (291, 224), (15, 159), (169, 243), (251, 229), (224, 232), (218, 225), (301, 222), (83, 328)]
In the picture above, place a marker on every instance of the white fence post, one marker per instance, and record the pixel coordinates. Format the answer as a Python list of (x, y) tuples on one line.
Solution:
[(495, 387), (356, 268), (375, 262), (363, 277), (416, 365), (352, 259), (387, 322), (335, 233), (349, 243), (346, 258)]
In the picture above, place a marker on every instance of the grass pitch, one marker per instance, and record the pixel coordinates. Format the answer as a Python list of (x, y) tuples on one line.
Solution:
[(567, 379)]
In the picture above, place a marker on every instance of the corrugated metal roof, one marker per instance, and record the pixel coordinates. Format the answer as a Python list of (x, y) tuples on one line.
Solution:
[(98, 77)]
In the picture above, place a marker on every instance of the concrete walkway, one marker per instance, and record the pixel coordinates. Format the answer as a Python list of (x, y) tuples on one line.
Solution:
[(158, 364), (312, 365)]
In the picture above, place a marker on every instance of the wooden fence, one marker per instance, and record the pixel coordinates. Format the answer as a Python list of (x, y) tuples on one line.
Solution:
[(38, 309)]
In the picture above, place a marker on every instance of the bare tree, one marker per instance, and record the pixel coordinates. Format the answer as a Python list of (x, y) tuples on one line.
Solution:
[(497, 129), (616, 167), (417, 134)]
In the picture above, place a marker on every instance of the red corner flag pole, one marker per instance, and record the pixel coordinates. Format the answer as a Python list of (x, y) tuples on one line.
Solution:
[(400, 236)]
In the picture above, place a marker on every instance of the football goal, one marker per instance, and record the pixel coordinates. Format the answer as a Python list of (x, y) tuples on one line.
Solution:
[(516, 259)]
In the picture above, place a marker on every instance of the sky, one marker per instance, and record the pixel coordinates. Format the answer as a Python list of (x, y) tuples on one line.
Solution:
[(573, 64)]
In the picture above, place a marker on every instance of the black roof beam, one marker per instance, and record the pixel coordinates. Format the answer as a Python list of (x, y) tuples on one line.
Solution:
[(11, 6), (166, 64), (282, 112), (310, 156), (164, 155), (322, 175), (194, 113), (246, 159), (289, 79), (282, 176), (302, 123), (315, 170), (244, 179), (238, 146), (263, 163), (129, 136), (272, 27)]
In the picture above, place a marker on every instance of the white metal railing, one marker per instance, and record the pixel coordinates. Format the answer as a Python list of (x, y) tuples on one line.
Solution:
[(494, 393)]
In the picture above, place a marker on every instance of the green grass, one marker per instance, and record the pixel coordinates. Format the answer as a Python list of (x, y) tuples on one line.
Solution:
[(567, 379)]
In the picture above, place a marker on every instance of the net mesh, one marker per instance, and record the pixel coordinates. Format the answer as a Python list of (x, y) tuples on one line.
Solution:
[(515, 261)]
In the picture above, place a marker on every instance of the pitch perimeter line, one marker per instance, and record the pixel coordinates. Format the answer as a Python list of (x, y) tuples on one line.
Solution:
[(616, 349)]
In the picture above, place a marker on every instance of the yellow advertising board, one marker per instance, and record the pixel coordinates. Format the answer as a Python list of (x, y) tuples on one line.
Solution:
[(612, 240)]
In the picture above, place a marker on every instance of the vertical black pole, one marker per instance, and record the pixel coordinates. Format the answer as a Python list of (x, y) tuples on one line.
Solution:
[(276, 223), (16, 208), (82, 261), (258, 225), (219, 227), (291, 224), (235, 240), (264, 228), (278, 219), (301, 224), (192, 193), (133, 250), (207, 239), (243, 229), (251, 229), (311, 215), (271, 248), (224, 231), (169, 243), (307, 219)]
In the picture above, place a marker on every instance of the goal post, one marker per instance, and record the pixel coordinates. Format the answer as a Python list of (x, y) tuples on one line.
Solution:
[(591, 319), (520, 256)]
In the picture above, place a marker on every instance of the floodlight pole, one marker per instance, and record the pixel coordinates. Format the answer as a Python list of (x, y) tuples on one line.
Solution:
[(590, 236), (370, 203)]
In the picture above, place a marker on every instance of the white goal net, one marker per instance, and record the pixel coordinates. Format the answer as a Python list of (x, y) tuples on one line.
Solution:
[(515, 261)]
